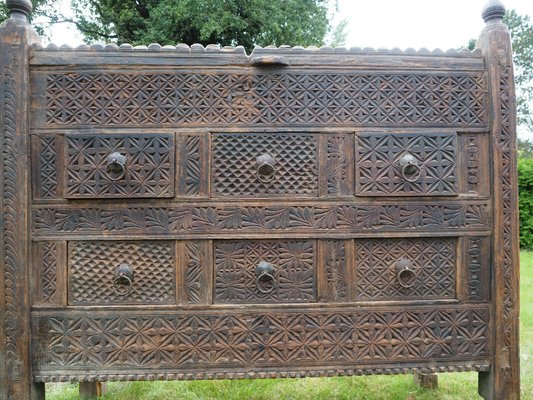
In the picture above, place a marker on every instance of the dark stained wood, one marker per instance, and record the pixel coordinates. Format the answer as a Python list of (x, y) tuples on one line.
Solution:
[(197, 213), (92, 390), (426, 381)]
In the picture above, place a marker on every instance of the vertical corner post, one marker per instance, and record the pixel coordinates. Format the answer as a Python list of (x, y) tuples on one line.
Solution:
[(16, 37), (503, 379)]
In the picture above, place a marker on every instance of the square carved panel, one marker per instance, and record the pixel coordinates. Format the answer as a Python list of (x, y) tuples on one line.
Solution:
[(406, 164), (148, 166)]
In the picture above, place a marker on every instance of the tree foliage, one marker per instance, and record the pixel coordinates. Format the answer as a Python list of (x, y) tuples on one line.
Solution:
[(522, 39), (225, 22), (40, 8)]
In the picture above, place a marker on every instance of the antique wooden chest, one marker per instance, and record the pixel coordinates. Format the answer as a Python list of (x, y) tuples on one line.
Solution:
[(198, 213)]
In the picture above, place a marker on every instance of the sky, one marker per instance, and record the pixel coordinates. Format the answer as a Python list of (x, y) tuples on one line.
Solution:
[(388, 23)]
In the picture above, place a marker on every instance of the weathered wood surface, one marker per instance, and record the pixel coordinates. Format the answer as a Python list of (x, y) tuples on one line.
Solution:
[(295, 212)]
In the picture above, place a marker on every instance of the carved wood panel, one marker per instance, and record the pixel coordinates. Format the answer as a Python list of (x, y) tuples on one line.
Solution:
[(148, 166), (432, 260), (193, 165), (202, 219), (380, 170), (234, 164), (258, 338), (477, 259), (290, 97), (93, 265), (45, 174), (293, 278), (336, 167)]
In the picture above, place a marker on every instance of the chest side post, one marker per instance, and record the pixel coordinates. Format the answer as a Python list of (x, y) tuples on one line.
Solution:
[(16, 36), (503, 379)]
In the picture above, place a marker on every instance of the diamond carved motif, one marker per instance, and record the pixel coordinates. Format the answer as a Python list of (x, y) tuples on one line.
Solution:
[(234, 164), (92, 266)]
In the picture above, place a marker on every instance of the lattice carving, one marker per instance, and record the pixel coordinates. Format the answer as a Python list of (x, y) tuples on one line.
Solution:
[(336, 269), (378, 169), (92, 267), (433, 261), (48, 272), (149, 165), (196, 283), (48, 167), (234, 164), (202, 219), (261, 339), (207, 98), (294, 266)]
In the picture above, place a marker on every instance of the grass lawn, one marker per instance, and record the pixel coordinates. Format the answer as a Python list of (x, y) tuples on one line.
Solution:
[(460, 386)]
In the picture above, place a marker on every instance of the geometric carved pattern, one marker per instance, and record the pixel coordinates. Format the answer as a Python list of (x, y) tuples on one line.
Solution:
[(207, 98), (48, 272), (234, 164), (257, 339), (48, 167), (294, 271), (433, 262), (92, 268), (226, 219), (378, 169), (149, 167)]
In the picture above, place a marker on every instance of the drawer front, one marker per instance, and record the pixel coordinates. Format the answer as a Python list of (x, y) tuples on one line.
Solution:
[(94, 269), (264, 164), (265, 271), (401, 164), (392, 269), (117, 166)]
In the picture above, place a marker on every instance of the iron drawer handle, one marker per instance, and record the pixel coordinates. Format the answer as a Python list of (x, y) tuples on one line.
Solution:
[(404, 273), (123, 276), (264, 273), (410, 169), (116, 166), (265, 165)]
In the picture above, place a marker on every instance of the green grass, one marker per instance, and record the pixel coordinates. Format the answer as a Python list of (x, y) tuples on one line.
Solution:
[(453, 386)]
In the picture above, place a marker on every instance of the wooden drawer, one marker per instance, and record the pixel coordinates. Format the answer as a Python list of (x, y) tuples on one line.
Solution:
[(396, 269), (406, 164), (264, 164), (265, 271), (119, 166), (94, 269)]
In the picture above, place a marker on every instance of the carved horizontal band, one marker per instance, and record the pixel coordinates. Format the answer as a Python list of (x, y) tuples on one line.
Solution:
[(207, 98), (259, 339), (293, 373)]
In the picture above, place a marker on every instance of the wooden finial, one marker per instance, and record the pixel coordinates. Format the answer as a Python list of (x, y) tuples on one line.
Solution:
[(493, 11), (19, 9)]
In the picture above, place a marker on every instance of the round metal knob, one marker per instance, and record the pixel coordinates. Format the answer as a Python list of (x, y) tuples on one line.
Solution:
[(410, 169), (404, 273), (265, 280), (116, 166), (123, 282), (265, 165)]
